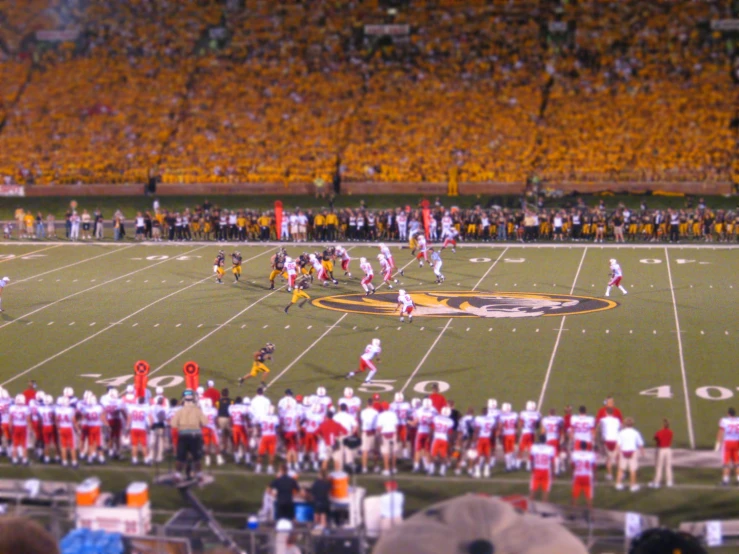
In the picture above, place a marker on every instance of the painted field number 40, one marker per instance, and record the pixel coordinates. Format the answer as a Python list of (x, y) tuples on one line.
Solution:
[(706, 393)]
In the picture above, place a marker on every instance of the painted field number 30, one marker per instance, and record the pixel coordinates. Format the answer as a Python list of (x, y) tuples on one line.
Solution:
[(706, 393)]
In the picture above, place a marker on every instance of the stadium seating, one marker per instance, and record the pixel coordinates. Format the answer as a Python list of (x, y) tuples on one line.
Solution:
[(477, 91)]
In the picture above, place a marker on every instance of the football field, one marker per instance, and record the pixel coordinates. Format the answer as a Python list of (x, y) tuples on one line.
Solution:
[(515, 323)]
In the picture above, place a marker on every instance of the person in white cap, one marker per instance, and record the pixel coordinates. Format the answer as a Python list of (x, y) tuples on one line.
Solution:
[(3, 283)]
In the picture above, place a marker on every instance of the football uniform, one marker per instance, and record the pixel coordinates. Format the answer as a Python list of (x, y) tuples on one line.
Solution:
[(582, 427), (402, 411), (368, 273), (210, 431), (353, 405), (386, 269), (343, 255), (258, 366), (64, 418), (19, 425), (236, 260), (730, 447), (292, 272), (94, 417), (529, 424), (310, 429), (425, 418), (268, 442), (616, 275), (553, 426), (289, 423), (5, 404), (239, 414), (139, 415), (442, 425), (368, 419), (583, 464), (485, 426), (48, 431), (507, 423), (541, 476), (385, 251), (365, 360), (406, 304), (325, 403)]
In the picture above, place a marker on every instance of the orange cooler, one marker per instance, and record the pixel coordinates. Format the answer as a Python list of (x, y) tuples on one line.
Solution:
[(88, 492), (137, 494)]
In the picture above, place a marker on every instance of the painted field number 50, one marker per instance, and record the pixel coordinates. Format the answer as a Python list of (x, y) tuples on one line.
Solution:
[(706, 393)]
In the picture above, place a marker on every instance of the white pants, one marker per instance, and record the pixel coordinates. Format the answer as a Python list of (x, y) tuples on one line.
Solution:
[(437, 269), (75, 231), (664, 463)]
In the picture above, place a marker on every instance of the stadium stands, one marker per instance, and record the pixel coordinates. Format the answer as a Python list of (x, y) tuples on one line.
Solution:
[(287, 92)]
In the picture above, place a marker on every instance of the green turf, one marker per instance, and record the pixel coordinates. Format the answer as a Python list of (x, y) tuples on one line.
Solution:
[(131, 204), (72, 312)]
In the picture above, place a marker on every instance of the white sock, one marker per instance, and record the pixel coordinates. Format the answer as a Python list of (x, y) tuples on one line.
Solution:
[(622, 289), (371, 375), (365, 288), (608, 291)]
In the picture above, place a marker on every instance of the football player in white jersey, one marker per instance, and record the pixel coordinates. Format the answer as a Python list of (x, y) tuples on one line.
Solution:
[(405, 305), (422, 251), (615, 277), (291, 267), (386, 270), (343, 256), (371, 351), (367, 285), (436, 265), (353, 403), (385, 251)]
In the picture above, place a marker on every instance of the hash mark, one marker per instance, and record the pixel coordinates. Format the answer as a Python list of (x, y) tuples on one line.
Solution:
[(583, 331), (537, 330), (468, 328), (607, 331), (534, 284), (74, 280), (490, 329), (178, 325), (655, 331), (702, 332), (376, 328), (182, 281), (514, 329), (29, 323), (93, 280), (40, 280), (726, 332), (422, 328), (164, 281), (156, 325), (631, 332), (146, 281), (399, 328), (287, 326), (69, 324), (92, 324), (310, 326), (515, 284), (199, 326), (710, 286), (50, 323), (354, 328), (58, 280), (265, 326), (134, 325), (128, 281)]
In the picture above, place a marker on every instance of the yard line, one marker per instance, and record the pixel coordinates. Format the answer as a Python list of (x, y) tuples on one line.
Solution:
[(83, 341), (214, 331), (20, 256), (115, 251), (448, 323), (559, 335), (304, 352), (691, 437), (94, 287)]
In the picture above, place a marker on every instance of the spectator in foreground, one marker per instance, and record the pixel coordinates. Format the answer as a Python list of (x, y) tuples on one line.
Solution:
[(25, 536), (391, 506), (663, 462), (319, 495), (284, 489)]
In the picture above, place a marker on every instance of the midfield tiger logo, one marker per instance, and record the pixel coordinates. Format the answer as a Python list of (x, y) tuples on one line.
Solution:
[(468, 304)]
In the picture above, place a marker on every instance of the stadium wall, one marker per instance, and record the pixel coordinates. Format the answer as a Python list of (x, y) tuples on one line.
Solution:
[(367, 188)]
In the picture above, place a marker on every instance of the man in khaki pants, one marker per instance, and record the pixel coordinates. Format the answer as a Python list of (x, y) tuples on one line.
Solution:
[(663, 440)]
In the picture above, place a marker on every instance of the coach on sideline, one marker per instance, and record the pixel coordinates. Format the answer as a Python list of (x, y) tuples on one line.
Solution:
[(189, 421)]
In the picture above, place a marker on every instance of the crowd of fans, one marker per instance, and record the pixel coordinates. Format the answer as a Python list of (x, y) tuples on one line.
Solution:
[(293, 91)]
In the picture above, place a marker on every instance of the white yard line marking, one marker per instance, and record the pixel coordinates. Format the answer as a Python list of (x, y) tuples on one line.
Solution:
[(304, 352), (214, 331), (83, 341), (691, 437), (49, 305), (559, 336), (20, 256), (448, 323), (115, 251)]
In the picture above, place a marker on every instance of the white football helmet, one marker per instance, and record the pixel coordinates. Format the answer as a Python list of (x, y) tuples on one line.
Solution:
[(20, 400), (612, 261), (399, 397), (492, 404), (530, 406), (426, 403), (362, 260), (415, 403), (63, 401), (382, 245), (206, 403), (246, 401), (159, 390), (113, 394), (92, 399), (381, 257), (506, 407), (321, 391), (86, 396), (446, 411), (288, 259), (375, 342), (49, 400), (348, 392), (307, 402), (40, 395), (69, 392), (200, 391), (401, 291), (129, 389)]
